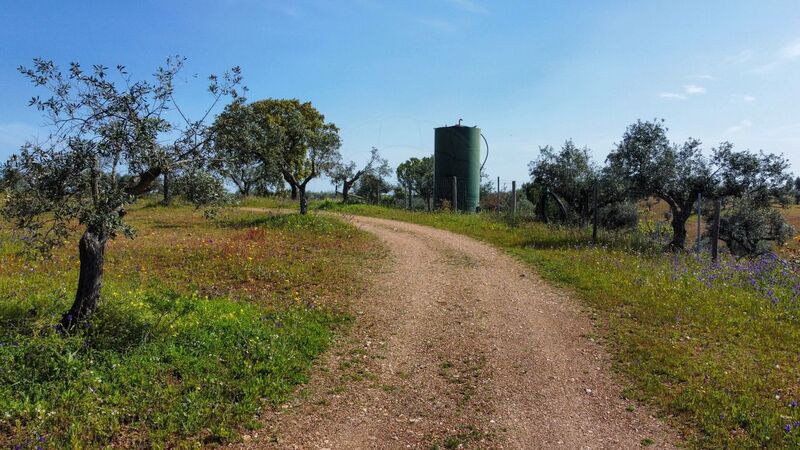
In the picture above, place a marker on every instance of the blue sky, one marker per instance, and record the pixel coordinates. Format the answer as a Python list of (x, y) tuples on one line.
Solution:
[(529, 73)]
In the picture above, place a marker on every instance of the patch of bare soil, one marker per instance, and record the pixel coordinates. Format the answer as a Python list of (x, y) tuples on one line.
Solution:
[(458, 345)]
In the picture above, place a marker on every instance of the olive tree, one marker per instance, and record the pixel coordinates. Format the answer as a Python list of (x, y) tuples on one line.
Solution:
[(418, 174), (348, 174), (647, 164), (570, 175), (750, 228), (104, 150)]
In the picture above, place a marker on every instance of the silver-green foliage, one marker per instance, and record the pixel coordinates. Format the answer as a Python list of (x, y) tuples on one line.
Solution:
[(751, 228), (105, 148)]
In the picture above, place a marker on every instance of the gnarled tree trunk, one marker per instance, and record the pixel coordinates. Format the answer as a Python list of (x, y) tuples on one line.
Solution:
[(90, 279), (346, 190), (679, 219)]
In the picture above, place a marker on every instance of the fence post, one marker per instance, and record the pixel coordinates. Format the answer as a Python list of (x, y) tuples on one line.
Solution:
[(497, 206), (455, 194), (595, 220), (715, 231), (410, 199), (699, 217), (514, 198)]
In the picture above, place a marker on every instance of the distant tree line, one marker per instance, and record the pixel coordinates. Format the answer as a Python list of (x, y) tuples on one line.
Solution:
[(645, 164)]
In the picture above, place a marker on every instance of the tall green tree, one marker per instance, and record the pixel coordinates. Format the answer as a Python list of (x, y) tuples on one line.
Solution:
[(291, 136), (649, 165), (243, 151), (103, 125), (418, 174)]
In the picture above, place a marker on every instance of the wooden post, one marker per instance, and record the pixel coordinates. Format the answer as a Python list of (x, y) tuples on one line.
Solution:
[(715, 231), (699, 218), (410, 199), (514, 198), (455, 194), (497, 206), (596, 218)]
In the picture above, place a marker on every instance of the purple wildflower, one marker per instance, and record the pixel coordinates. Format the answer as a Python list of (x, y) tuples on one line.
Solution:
[(787, 428)]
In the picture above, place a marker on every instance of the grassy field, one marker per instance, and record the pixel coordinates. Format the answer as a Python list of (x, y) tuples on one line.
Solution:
[(202, 324), (713, 349)]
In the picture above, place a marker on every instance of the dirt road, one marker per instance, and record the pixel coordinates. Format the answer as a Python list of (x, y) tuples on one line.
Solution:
[(459, 345)]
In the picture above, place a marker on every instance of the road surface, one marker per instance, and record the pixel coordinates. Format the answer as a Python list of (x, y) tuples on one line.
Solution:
[(458, 345)]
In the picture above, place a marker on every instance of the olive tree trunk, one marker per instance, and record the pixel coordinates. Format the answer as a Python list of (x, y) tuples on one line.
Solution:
[(679, 219), (346, 190), (90, 279)]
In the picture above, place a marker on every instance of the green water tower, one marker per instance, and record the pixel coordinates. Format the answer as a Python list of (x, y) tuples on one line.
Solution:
[(457, 153)]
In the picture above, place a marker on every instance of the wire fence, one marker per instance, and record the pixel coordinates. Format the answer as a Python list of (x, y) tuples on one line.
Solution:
[(507, 197)]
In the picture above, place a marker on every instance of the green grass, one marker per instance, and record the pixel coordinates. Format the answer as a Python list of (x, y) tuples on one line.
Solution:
[(202, 324), (721, 363), (268, 202)]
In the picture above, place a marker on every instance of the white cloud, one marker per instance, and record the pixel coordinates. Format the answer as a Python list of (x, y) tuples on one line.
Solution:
[(785, 55), (437, 24), (790, 51), (672, 95), (688, 90), (742, 57), (469, 6), (704, 77), (693, 89), (742, 125)]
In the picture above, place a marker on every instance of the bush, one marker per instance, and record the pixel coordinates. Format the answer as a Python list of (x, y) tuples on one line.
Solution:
[(619, 216)]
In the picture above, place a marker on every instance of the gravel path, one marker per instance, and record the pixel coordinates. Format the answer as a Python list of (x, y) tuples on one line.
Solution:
[(457, 345)]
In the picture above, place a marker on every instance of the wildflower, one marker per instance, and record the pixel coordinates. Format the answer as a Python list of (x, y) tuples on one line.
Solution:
[(793, 404), (788, 428)]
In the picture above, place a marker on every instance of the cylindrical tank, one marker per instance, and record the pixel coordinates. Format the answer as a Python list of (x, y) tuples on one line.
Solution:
[(457, 153)]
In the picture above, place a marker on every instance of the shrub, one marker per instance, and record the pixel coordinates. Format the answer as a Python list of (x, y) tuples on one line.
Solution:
[(619, 216)]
